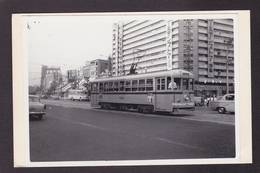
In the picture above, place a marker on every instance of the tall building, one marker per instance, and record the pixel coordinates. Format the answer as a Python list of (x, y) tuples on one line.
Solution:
[(99, 67), (201, 46), (72, 75), (86, 70), (49, 76)]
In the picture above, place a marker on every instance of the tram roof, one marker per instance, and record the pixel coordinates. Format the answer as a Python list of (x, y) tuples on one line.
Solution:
[(177, 73)]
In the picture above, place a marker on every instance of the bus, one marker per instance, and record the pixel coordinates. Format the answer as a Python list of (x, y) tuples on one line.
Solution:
[(164, 91), (76, 94)]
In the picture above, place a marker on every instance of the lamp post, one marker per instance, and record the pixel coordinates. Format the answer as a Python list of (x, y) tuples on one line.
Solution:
[(228, 44)]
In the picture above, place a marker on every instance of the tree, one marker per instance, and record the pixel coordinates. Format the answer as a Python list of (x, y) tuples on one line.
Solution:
[(52, 88)]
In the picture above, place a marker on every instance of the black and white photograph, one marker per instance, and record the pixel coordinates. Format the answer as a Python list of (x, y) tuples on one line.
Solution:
[(131, 88)]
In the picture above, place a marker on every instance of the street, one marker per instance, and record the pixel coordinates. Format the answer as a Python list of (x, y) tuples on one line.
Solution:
[(73, 131)]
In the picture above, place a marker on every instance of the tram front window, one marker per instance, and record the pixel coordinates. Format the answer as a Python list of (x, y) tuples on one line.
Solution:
[(191, 84), (185, 84)]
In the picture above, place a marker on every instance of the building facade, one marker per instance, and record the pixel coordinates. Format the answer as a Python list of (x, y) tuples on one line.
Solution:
[(49, 77), (72, 75), (99, 67), (204, 47)]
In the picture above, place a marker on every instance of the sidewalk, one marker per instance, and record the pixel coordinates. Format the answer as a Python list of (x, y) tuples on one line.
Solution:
[(206, 114)]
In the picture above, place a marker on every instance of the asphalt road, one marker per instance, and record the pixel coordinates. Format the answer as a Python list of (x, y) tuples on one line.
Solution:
[(75, 134)]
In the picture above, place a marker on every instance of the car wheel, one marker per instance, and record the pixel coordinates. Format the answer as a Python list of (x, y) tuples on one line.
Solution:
[(221, 110)]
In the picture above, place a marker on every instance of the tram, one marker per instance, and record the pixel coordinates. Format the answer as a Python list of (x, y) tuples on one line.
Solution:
[(164, 91)]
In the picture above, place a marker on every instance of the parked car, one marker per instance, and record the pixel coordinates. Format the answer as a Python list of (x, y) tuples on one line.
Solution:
[(55, 97), (44, 96), (36, 108), (224, 103)]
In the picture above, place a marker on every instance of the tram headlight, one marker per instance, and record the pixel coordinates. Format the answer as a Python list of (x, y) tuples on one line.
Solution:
[(187, 97)]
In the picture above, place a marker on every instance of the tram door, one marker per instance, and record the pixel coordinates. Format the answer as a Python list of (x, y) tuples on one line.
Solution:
[(94, 95), (163, 100)]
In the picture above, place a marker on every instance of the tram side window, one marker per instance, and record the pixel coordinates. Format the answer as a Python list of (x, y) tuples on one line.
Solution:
[(134, 85), (110, 86), (176, 83), (185, 84), (149, 84), (127, 85), (121, 85), (105, 87), (115, 86), (191, 84), (101, 87), (169, 83), (94, 87), (141, 85)]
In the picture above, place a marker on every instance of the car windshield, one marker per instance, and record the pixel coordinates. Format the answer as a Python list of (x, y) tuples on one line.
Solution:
[(219, 97), (34, 99)]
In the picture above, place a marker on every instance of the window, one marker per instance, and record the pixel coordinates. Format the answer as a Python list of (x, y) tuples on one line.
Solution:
[(110, 86), (115, 86), (163, 84), (158, 84), (191, 84), (141, 85), (101, 87), (94, 87), (121, 85), (185, 84), (169, 83), (128, 85), (230, 97), (105, 86), (149, 84), (134, 85), (176, 83)]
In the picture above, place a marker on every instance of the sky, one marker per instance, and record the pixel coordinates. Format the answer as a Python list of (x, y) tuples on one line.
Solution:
[(66, 42)]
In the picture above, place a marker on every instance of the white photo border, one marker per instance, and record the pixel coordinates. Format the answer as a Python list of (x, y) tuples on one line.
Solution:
[(243, 129)]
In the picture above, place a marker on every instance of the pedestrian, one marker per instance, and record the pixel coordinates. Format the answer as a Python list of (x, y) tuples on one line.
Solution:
[(208, 99)]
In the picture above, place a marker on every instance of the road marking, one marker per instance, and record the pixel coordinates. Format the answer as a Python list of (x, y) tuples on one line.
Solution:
[(126, 134), (178, 143), (211, 121), (80, 123), (167, 117)]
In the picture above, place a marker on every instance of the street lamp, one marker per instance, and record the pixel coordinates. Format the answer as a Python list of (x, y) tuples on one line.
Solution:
[(228, 43)]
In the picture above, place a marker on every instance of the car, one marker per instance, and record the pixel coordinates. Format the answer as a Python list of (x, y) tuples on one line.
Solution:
[(224, 103), (36, 108), (55, 97)]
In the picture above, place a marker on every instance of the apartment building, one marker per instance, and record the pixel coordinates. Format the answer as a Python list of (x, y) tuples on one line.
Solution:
[(204, 47), (98, 68)]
